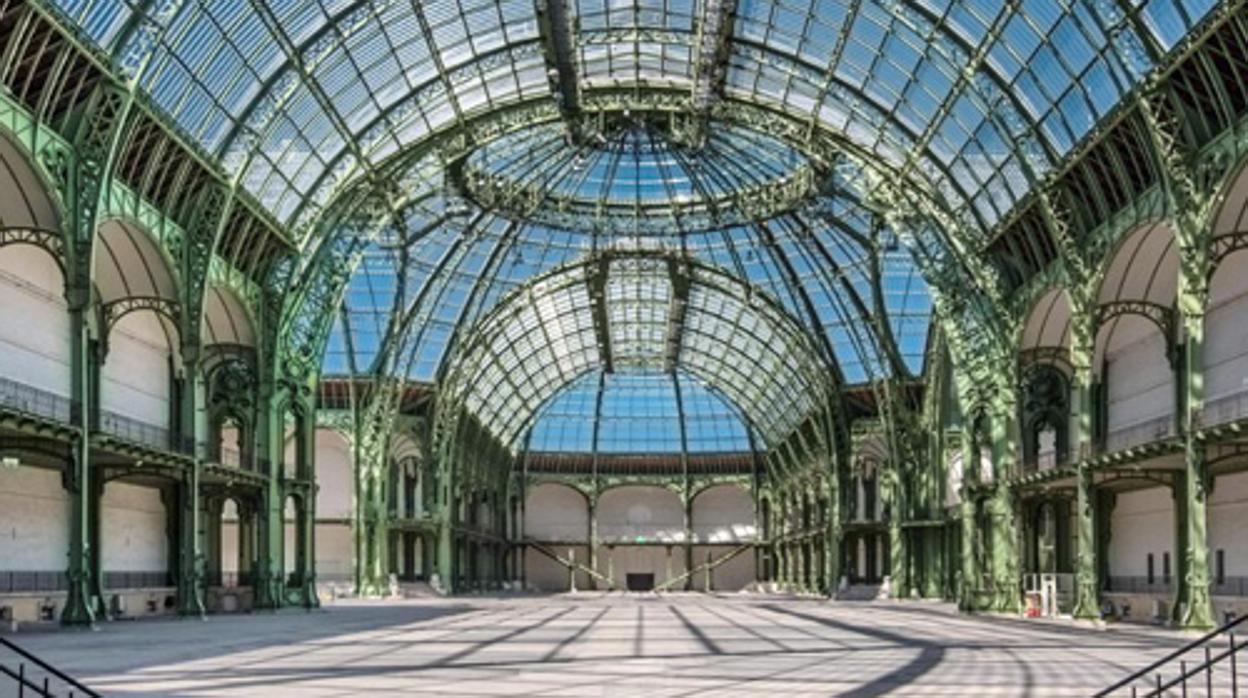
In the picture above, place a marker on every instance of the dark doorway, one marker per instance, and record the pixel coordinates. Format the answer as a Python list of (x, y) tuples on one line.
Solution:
[(640, 582)]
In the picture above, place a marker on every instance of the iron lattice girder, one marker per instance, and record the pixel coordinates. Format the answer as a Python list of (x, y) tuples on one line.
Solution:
[(124, 73), (559, 47), (309, 81), (825, 149), (467, 368), (313, 51), (51, 241)]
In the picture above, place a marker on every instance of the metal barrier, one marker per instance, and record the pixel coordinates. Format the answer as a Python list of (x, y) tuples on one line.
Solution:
[(137, 580), (38, 580), (36, 677), (1229, 586), (1140, 433), (35, 401), (133, 430), (1200, 663), (229, 580), (1223, 409), (1159, 584)]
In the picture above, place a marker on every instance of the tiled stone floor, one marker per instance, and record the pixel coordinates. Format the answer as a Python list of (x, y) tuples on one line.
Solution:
[(595, 645)]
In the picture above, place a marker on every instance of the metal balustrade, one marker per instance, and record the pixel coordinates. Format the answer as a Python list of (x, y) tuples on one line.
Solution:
[(230, 457), (19, 581), (137, 580), (1223, 409), (1043, 462), (35, 401), (1129, 584), (30, 675), (133, 430), (1206, 666), (1229, 586), (1140, 433), (229, 580)]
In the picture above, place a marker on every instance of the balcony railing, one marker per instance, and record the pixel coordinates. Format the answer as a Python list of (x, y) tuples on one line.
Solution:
[(136, 431), (1224, 408), (1159, 584), (1140, 433), (1042, 462), (229, 580), (35, 401), (1230, 586), (16, 582), (137, 580)]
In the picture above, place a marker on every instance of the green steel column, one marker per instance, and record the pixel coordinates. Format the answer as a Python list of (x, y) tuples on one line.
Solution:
[(687, 544), (1087, 585), (966, 509), (190, 598), (1007, 596), (1194, 578), (898, 552), (270, 525), (1087, 577), (832, 540), (307, 455), (592, 556), (446, 534)]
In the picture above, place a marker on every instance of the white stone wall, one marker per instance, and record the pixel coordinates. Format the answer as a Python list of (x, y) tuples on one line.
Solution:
[(556, 513), (724, 514), (1138, 375), (34, 320), (335, 550), (1226, 331), (133, 534), (1142, 522), (333, 475), (653, 513), (135, 380), (34, 520), (1228, 513)]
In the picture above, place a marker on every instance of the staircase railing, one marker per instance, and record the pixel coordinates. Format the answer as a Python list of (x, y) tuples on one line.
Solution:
[(45, 680), (699, 569), (572, 564), (1154, 683)]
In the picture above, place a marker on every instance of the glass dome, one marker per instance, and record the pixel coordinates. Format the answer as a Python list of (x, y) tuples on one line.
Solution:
[(636, 176)]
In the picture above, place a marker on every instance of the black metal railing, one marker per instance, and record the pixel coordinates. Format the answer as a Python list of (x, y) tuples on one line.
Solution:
[(1140, 433), (1229, 586), (1208, 664), (35, 401), (1042, 462), (1159, 584), (18, 581), (33, 676), (229, 580), (1230, 407), (137, 580)]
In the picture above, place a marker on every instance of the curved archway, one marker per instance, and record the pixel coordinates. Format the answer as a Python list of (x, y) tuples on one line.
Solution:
[(35, 333), (722, 518), (1135, 336), (556, 517), (138, 297)]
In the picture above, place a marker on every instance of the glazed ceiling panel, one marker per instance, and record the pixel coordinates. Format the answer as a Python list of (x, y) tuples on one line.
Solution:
[(300, 97), (614, 315)]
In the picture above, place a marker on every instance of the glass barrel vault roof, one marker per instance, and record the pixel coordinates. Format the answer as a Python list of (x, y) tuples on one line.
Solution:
[(299, 97)]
